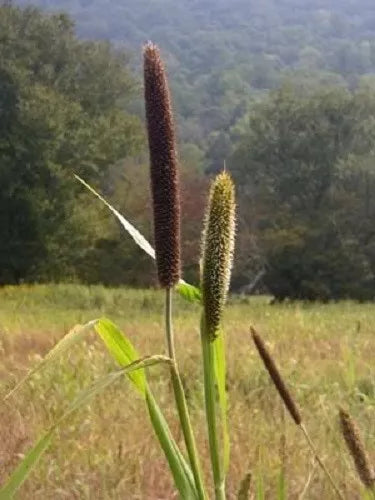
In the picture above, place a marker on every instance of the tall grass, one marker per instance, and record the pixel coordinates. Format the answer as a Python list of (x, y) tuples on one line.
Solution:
[(108, 450), (290, 403)]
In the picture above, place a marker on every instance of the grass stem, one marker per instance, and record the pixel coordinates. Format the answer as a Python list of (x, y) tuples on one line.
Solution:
[(210, 402), (320, 462), (180, 399)]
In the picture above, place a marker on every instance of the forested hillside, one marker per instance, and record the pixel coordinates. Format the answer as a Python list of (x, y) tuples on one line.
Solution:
[(59, 115), (282, 91), (222, 53)]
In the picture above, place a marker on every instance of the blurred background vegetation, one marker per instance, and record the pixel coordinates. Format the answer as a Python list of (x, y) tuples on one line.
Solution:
[(284, 92)]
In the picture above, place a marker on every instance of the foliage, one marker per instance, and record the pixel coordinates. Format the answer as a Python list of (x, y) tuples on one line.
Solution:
[(306, 181), (220, 52), (61, 111)]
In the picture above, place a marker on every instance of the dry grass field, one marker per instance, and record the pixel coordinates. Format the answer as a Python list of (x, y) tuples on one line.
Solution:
[(108, 451)]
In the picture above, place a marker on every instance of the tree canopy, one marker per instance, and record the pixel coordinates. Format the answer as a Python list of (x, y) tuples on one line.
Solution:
[(282, 91), (62, 111), (221, 52), (306, 178)]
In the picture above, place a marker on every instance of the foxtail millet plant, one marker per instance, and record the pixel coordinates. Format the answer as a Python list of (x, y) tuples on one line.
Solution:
[(354, 443), (289, 402), (216, 265), (163, 168), (166, 211)]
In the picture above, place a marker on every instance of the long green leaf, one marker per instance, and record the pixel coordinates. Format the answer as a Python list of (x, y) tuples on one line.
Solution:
[(22, 471), (187, 291), (121, 349), (124, 353), (24, 468), (72, 337), (181, 472), (220, 372), (209, 379), (139, 239)]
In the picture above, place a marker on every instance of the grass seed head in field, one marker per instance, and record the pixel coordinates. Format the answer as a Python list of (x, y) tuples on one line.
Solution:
[(276, 377), (164, 171), (217, 248), (356, 449)]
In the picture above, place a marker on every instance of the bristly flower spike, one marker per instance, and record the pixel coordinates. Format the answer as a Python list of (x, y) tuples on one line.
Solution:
[(356, 449), (217, 251), (163, 166), (276, 377)]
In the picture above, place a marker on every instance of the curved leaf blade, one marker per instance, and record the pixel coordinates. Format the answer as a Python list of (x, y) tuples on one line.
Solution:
[(180, 470), (24, 468), (71, 338), (187, 291), (124, 353), (121, 350), (139, 239)]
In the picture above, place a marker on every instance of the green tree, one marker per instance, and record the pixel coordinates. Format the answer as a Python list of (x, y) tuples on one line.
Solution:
[(296, 169), (62, 111), (219, 52)]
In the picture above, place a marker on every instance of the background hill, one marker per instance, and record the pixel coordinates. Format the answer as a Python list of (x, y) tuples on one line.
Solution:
[(223, 53)]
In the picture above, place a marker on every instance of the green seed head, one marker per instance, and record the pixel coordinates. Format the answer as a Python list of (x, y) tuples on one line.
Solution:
[(217, 250)]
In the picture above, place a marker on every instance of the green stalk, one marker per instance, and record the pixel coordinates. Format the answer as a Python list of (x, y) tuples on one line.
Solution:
[(181, 403), (210, 402)]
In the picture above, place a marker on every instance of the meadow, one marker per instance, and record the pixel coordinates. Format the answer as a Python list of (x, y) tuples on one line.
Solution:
[(108, 451)]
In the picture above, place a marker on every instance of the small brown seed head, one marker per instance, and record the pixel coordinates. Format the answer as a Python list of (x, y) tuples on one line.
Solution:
[(163, 166), (244, 489), (276, 377), (217, 250), (353, 440)]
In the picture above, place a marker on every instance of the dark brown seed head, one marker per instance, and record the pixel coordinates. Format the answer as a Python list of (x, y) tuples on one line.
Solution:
[(276, 377), (163, 166), (356, 449)]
